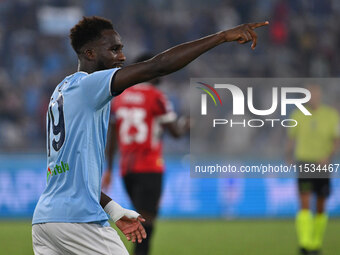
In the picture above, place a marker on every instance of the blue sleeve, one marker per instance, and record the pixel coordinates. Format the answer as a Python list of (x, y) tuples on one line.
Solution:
[(96, 87)]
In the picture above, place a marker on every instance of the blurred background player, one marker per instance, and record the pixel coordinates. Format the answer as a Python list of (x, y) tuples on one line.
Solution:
[(313, 141), (138, 118)]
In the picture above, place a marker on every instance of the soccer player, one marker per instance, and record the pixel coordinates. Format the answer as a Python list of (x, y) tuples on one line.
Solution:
[(139, 116), (313, 141), (70, 215)]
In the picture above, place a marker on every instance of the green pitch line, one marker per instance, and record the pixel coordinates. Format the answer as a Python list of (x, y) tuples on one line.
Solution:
[(183, 237)]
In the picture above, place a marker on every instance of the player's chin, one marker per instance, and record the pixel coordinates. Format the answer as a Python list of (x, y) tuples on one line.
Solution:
[(119, 65)]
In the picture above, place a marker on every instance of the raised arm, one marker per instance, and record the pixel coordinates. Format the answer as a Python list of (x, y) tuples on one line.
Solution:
[(179, 56)]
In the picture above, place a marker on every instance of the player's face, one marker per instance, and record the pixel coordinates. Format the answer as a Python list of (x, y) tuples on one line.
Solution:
[(108, 50), (316, 95)]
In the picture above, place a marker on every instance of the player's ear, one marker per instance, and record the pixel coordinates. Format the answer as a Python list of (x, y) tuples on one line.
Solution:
[(89, 54)]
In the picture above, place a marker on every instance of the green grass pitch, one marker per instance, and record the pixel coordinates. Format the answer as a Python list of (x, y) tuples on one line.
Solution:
[(216, 237)]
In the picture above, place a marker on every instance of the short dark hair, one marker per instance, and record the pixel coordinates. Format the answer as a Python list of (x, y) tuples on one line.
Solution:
[(88, 29)]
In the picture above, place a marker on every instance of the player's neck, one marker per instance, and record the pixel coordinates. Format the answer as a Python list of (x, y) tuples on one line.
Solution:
[(86, 67)]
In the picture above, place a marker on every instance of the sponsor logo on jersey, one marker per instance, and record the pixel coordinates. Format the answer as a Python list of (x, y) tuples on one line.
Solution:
[(58, 169)]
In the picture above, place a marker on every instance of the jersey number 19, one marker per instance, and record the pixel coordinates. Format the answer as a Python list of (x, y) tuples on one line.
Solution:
[(57, 129)]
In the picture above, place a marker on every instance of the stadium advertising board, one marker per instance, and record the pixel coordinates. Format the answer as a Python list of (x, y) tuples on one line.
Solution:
[(22, 179)]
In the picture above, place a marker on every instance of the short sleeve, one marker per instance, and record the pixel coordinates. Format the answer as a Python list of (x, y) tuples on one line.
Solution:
[(163, 109), (336, 127), (97, 87)]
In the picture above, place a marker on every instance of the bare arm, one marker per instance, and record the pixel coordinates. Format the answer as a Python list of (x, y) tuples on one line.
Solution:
[(178, 127), (104, 199), (179, 56)]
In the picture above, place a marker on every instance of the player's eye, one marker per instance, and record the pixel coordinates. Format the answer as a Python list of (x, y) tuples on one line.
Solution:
[(117, 48)]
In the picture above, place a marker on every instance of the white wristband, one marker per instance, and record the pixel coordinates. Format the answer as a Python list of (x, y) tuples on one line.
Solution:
[(131, 214), (116, 211)]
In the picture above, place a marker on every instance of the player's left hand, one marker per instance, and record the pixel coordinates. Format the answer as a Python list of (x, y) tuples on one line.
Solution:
[(132, 228)]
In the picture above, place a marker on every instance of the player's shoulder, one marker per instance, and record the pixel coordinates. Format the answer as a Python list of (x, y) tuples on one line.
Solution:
[(78, 75), (328, 108), (95, 78), (296, 113), (65, 82), (329, 111), (74, 78)]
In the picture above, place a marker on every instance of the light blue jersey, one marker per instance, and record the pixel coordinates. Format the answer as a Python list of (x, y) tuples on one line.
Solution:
[(77, 123)]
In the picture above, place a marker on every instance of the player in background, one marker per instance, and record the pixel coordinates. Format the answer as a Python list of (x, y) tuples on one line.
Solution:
[(70, 216), (313, 140), (139, 117)]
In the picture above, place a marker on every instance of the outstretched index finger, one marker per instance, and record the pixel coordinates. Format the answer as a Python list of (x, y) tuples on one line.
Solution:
[(259, 24)]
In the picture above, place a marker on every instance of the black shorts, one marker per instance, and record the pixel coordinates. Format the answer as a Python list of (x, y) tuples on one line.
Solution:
[(318, 186), (144, 190)]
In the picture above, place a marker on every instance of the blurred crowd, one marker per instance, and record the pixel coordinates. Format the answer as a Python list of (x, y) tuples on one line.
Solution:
[(36, 55)]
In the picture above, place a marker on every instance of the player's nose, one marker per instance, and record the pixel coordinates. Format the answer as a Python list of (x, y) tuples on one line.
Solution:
[(121, 57)]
